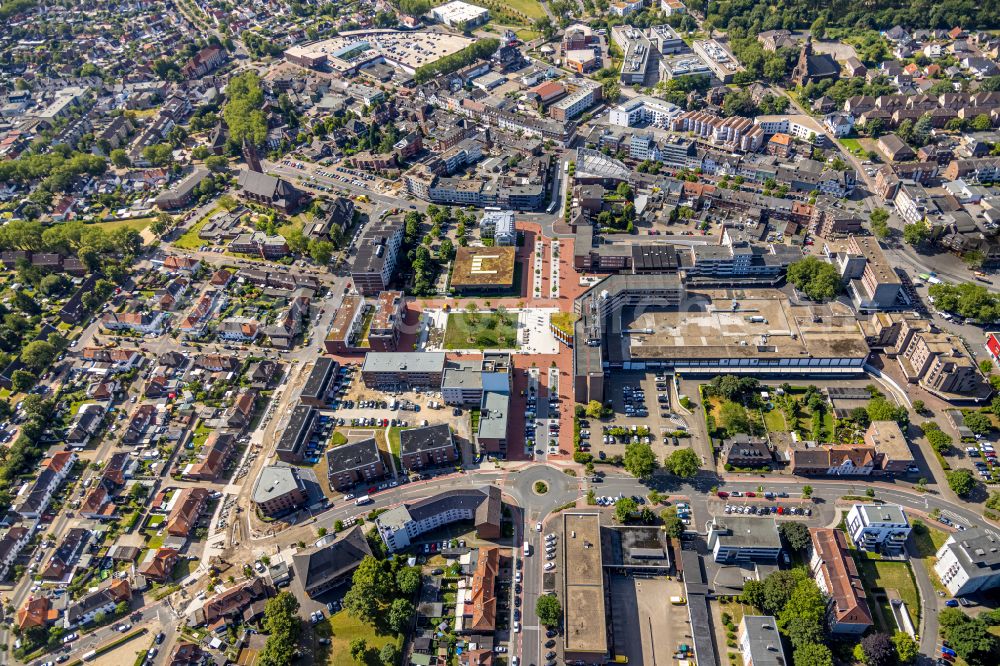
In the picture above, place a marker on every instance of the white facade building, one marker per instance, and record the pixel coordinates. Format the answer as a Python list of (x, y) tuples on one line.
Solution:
[(969, 561), (878, 527)]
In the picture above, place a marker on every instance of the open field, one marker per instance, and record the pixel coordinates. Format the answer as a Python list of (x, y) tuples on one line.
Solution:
[(341, 629), (137, 223), (481, 331)]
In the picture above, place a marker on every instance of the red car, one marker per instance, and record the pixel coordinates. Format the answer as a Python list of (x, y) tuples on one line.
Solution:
[(751, 494), (722, 494)]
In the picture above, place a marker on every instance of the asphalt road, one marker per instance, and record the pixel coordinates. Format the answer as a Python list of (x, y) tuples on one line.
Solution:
[(518, 487)]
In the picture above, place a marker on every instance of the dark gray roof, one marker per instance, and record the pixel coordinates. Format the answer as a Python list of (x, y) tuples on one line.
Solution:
[(321, 566), (352, 456), (469, 499), (298, 425), (425, 439), (318, 382)]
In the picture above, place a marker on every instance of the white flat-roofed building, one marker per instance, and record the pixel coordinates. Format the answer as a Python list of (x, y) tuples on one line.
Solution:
[(878, 527), (458, 13), (644, 109)]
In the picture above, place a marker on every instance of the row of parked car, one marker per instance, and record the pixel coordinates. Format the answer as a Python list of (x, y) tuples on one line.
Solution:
[(768, 509)]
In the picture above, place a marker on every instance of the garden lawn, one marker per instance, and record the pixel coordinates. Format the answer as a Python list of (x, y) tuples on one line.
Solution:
[(927, 539), (472, 331), (881, 575), (341, 628), (190, 239), (530, 8), (774, 421), (852, 145), (137, 223)]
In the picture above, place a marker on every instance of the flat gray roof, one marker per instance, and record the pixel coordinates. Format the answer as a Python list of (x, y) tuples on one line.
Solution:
[(493, 415), (750, 532), (764, 641), (275, 481), (403, 362)]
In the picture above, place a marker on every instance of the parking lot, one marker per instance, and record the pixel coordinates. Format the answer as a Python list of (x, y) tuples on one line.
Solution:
[(641, 400), (647, 630)]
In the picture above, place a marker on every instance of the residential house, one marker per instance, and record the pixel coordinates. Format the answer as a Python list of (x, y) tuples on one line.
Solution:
[(878, 527), (279, 490), (103, 600), (741, 450), (187, 508), (836, 574), (353, 463), (34, 498), (240, 603), (159, 564), (213, 458), (11, 544), (969, 562), (427, 446), (36, 612)]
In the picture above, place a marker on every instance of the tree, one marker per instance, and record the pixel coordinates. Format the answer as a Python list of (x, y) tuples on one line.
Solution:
[(812, 654), (734, 419), (400, 613), (549, 610), (919, 406), (594, 409), (880, 409), (961, 481), (640, 461), (922, 130), (981, 123), (38, 354), (358, 649), (777, 590), (321, 251), (916, 233), (880, 222), (120, 158), (22, 380), (624, 508), (389, 654), (753, 594), (683, 463), (371, 583), (907, 649), (973, 642), (978, 422), (217, 163), (796, 534), (878, 650), (807, 491), (408, 580), (282, 623), (803, 616), (818, 279), (244, 108), (672, 525)]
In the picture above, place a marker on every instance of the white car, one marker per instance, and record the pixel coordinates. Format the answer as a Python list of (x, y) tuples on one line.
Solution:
[(538, 527), (517, 627), (549, 566)]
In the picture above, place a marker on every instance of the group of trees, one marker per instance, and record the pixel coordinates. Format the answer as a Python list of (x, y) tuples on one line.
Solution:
[(640, 461), (818, 279), (859, 14), (968, 299), (971, 637), (381, 593), (54, 171), (281, 621), (482, 48), (244, 108), (800, 608)]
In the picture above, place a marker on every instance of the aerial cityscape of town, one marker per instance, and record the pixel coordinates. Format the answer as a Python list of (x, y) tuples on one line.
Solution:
[(484, 333)]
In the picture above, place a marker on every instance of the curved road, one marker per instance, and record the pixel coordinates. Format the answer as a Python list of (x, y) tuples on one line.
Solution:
[(518, 483)]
